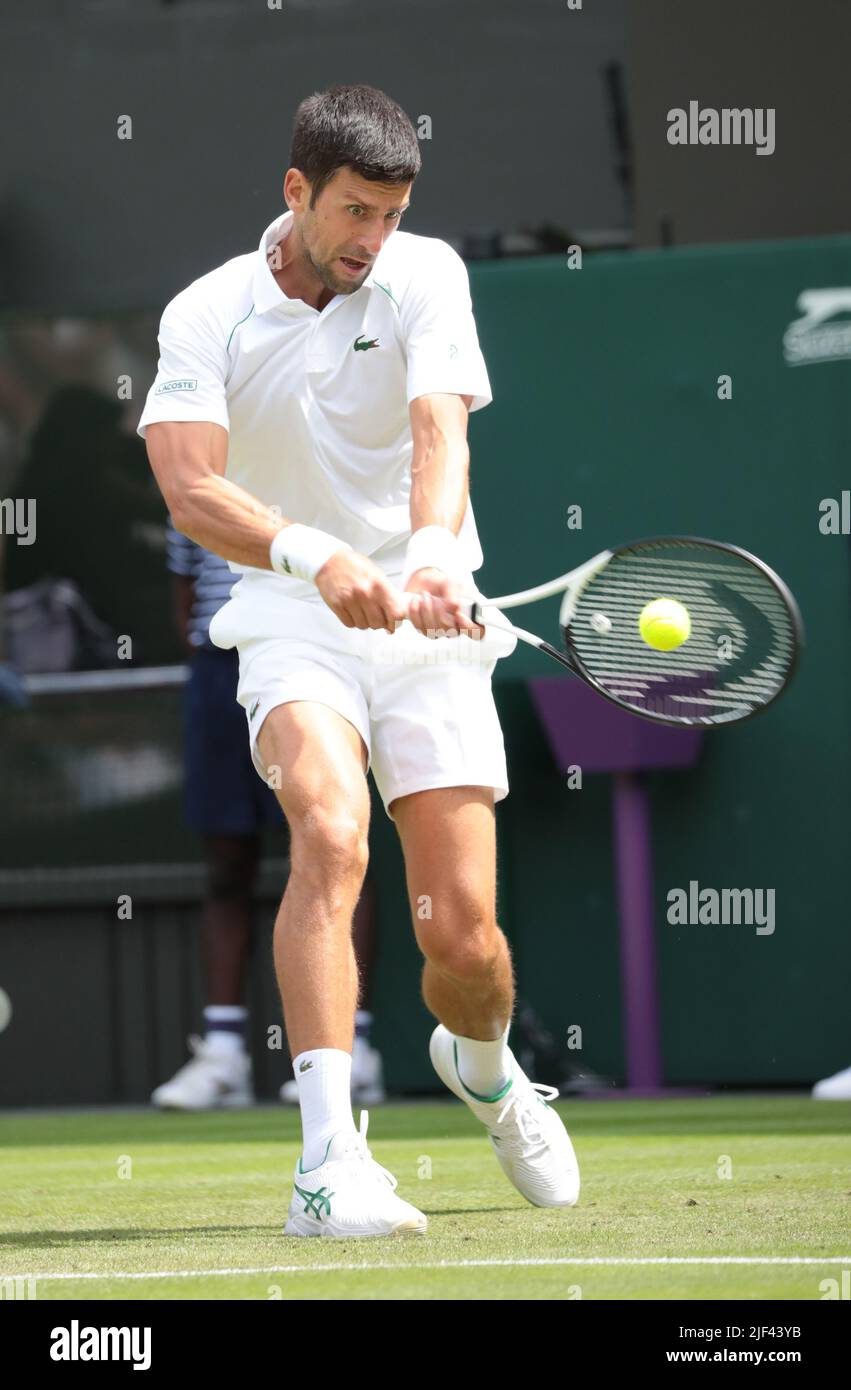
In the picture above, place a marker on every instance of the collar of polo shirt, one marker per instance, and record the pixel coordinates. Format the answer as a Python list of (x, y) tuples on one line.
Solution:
[(267, 292)]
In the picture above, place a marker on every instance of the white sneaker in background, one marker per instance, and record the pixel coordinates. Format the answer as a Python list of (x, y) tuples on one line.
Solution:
[(289, 1092), (836, 1087), (212, 1080), (367, 1075)]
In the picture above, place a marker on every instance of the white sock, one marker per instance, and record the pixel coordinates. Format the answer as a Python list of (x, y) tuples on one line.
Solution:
[(225, 1028), (324, 1079), (484, 1067)]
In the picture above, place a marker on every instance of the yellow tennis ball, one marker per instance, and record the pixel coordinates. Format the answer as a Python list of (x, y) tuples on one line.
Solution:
[(665, 624)]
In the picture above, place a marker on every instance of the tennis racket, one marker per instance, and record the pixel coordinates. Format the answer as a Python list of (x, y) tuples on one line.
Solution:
[(745, 639)]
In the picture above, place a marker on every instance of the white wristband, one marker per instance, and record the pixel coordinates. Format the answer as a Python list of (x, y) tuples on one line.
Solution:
[(301, 551), (437, 547)]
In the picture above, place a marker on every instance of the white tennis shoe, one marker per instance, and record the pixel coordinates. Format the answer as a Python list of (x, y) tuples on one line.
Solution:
[(349, 1195), (527, 1135), (212, 1080)]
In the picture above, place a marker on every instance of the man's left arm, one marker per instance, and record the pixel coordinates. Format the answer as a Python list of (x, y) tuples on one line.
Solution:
[(440, 470), (446, 379)]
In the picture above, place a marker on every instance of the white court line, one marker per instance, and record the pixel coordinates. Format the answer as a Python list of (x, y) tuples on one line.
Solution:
[(612, 1262)]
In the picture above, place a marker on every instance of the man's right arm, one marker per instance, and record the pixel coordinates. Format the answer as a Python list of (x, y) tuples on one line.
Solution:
[(188, 459)]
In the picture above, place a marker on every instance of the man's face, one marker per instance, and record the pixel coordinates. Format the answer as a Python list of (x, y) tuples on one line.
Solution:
[(343, 233)]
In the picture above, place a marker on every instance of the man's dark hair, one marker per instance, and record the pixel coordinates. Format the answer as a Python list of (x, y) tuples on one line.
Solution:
[(359, 127)]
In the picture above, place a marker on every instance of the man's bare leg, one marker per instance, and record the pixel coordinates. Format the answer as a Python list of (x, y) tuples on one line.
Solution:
[(320, 761), (448, 839), (448, 836)]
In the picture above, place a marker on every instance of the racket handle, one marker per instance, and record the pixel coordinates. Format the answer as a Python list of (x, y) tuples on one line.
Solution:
[(467, 609), (471, 610)]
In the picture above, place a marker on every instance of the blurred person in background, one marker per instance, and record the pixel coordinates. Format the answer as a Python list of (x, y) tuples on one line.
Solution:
[(230, 807), (89, 477)]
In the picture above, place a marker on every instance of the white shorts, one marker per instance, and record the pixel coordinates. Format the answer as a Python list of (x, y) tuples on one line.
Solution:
[(423, 707)]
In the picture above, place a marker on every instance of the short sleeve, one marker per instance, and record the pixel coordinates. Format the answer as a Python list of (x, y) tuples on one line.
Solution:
[(441, 343), (190, 380)]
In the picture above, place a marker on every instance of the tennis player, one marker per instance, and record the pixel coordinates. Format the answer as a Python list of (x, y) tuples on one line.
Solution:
[(308, 422)]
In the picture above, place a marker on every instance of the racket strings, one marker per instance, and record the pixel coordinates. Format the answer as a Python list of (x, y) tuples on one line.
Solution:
[(737, 656)]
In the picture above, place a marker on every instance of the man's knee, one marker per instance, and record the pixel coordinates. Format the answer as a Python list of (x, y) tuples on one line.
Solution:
[(329, 844), (460, 937)]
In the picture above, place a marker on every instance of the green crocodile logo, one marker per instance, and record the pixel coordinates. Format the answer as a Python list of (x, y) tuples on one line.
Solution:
[(360, 346)]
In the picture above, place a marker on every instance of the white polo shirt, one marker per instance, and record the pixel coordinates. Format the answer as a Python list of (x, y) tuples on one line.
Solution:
[(316, 402)]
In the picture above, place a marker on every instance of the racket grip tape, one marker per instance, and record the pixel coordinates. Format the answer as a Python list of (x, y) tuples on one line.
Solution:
[(473, 611)]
